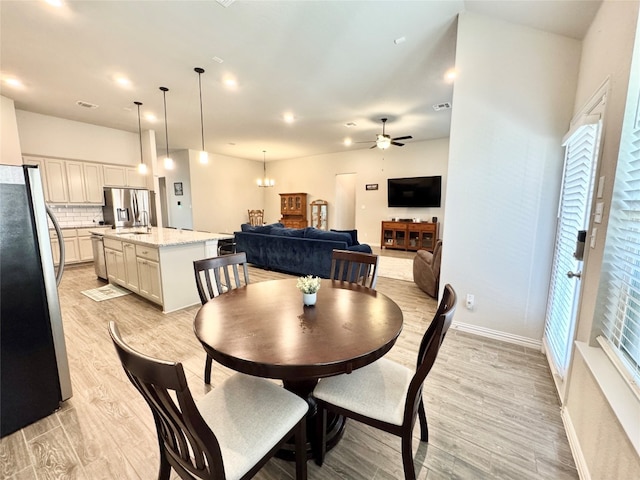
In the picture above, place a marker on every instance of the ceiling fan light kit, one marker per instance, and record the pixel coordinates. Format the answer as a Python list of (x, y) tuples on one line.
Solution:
[(384, 141)]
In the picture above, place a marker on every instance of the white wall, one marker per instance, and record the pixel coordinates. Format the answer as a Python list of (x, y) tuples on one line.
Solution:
[(180, 206), (223, 190), (512, 103), (57, 137), (9, 139)]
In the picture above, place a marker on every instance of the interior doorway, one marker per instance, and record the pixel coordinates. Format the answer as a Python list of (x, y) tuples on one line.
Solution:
[(345, 201)]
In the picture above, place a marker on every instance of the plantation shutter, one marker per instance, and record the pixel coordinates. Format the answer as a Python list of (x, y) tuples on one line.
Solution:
[(573, 211)]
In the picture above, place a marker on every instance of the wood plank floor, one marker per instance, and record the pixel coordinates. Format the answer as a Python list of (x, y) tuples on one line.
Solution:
[(492, 408)]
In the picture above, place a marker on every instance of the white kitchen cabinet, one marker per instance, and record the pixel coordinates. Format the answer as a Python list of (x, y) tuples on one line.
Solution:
[(85, 247), (149, 280), (116, 272), (84, 181), (135, 178), (56, 177), (71, 246), (114, 175), (43, 175), (131, 266)]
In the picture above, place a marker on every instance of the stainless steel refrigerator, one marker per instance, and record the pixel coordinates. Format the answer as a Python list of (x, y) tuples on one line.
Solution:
[(128, 207), (34, 370)]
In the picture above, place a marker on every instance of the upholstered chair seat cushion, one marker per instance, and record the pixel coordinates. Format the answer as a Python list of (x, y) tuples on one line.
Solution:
[(249, 415), (378, 390)]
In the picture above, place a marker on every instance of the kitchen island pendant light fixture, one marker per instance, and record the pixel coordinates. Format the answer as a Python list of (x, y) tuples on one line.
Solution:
[(168, 161), (265, 181), (204, 156), (142, 168)]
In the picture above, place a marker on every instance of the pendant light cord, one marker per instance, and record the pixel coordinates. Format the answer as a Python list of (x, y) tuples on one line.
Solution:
[(139, 129), (166, 129), (200, 71)]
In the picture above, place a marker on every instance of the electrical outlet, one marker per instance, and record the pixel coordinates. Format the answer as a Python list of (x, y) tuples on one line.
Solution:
[(470, 300)]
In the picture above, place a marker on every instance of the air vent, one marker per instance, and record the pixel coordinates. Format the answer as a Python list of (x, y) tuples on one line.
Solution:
[(80, 103), (225, 3), (442, 106)]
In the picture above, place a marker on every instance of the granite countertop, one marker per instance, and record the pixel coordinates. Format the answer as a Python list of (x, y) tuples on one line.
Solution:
[(159, 237)]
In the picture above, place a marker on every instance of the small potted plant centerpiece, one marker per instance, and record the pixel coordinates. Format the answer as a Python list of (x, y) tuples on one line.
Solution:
[(309, 287)]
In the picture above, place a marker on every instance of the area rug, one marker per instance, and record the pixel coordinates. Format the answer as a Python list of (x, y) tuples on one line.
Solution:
[(105, 293), (398, 268)]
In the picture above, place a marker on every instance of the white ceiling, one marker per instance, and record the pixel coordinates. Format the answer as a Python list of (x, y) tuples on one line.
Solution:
[(328, 63)]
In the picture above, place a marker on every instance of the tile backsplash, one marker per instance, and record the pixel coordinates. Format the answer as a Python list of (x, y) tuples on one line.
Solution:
[(75, 216)]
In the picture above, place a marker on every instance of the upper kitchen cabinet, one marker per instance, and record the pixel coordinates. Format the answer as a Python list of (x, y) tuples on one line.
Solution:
[(84, 182), (121, 176), (56, 178)]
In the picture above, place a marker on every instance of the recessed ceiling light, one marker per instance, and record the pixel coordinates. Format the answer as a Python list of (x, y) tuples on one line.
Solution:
[(14, 82), (123, 81), (400, 40), (230, 82), (347, 142), (450, 75), (54, 3), (150, 117), (288, 117)]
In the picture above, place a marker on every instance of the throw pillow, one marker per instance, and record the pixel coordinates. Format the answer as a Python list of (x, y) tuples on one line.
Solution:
[(265, 229), (287, 232), (353, 233), (318, 234)]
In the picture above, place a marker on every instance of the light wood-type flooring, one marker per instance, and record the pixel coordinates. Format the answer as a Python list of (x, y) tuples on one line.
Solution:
[(491, 405)]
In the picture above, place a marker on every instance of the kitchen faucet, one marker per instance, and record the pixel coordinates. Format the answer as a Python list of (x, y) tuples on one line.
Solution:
[(147, 224)]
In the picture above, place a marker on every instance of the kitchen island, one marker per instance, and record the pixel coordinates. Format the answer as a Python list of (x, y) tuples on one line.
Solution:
[(158, 264)]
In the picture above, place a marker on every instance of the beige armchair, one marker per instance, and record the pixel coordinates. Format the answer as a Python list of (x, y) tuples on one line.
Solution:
[(426, 270)]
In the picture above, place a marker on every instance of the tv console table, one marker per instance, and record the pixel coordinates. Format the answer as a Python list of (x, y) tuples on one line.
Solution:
[(409, 235)]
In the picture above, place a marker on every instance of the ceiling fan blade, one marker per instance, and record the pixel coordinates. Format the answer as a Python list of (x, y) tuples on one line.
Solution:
[(402, 138), (366, 141), (373, 146), (397, 144)]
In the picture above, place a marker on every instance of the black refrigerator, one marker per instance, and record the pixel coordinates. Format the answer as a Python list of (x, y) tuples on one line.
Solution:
[(34, 370)]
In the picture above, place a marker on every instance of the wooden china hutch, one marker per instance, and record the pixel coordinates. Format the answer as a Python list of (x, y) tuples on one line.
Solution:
[(293, 208)]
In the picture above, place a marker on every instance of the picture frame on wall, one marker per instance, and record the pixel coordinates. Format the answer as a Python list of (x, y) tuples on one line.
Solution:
[(177, 188)]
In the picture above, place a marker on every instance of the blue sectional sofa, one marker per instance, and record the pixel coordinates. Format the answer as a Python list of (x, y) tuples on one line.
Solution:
[(301, 251)]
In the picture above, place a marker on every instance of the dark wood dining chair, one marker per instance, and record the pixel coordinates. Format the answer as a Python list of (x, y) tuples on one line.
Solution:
[(355, 267), (256, 217), (385, 394), (230, 434), (218, 275)]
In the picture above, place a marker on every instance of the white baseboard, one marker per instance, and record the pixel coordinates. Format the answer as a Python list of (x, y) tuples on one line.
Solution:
[(574, 444), (497, 335)]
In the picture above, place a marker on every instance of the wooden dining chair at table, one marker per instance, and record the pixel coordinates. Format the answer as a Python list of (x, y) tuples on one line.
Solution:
[(355, 267), (229, 434), (218, 275), (256, 217), (385, 394)]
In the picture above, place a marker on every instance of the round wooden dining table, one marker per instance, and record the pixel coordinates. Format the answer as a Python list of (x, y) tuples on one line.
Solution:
[(263, 329)]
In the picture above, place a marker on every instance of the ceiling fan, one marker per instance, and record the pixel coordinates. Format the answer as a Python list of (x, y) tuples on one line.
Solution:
[(383, 141)]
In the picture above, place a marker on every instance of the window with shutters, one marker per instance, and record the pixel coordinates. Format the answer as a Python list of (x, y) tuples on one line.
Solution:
[(619, 291)]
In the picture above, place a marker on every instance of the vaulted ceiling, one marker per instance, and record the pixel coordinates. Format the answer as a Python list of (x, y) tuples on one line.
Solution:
[(328, 64)]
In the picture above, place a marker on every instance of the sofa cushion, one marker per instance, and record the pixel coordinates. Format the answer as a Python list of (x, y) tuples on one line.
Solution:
[(266, 229), (318, 234), (364, 248), (287, 232), (353, 233)]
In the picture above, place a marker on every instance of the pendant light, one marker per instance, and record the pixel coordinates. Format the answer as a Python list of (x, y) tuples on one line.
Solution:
[(204, 156), (168, 161), (265, 181), (142, 168)]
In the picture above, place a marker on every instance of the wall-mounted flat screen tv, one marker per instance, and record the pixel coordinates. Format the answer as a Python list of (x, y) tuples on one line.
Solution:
[(414, 191)]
